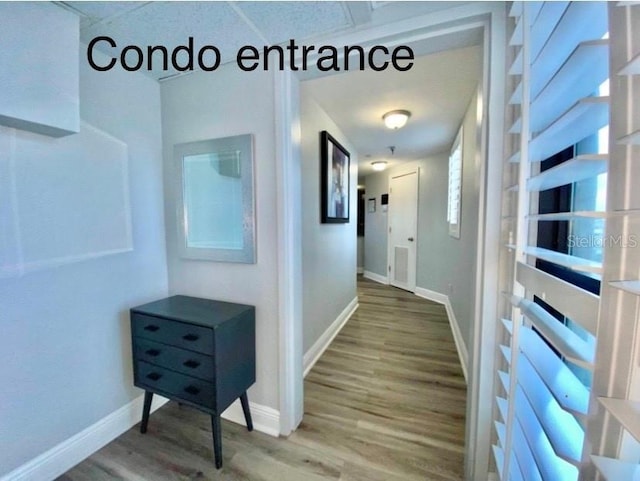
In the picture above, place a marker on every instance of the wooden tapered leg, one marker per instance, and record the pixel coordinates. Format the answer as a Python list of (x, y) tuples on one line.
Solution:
[(217, 440), (148, 397), (244, 400)]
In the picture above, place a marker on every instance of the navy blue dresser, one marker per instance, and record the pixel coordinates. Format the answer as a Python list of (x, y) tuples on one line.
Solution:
[(196, 351)]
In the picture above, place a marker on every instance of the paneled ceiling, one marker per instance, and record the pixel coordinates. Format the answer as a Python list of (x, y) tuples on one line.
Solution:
[(436, 90), (230, 25)]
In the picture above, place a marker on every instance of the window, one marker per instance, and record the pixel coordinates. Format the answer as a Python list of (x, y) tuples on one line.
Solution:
[(455, 187), (559, 159)]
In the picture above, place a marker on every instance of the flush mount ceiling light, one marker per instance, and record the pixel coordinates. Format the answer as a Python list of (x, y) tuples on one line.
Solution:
[(379, 165), (396, 118), (382, 164)]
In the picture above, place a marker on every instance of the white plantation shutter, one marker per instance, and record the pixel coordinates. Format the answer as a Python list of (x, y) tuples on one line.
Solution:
[(548, 338), (613, 435)]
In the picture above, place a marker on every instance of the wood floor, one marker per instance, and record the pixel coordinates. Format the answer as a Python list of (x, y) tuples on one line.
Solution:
[(385, 402)]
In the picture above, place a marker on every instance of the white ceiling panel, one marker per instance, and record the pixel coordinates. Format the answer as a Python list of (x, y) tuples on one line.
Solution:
[(280, 21), (100, 10), (92, 12), (385, 12), (172, 23)]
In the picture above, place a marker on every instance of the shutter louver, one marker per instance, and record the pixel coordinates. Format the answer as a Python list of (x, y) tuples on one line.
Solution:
[(546, 347)]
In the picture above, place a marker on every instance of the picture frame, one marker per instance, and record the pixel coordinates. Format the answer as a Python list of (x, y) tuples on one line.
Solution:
[(334, 180)]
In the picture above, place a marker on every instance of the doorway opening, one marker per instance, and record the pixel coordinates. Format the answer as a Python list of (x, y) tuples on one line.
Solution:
[(479, 22)]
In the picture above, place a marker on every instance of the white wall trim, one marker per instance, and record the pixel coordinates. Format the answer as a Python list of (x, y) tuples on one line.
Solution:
[(412, 272), (288, 175), (402, 170), (360, 270), (265, 419), (480, 392), (443, 299), (376, 277), (68, 453), (323, 342)]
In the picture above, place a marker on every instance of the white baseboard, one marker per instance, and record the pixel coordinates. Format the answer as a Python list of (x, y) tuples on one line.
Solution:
[(67, 454), (59, 459), (318, 348), (376, 277), (265, 419), (433, 296), (443, 299), (360, 270)]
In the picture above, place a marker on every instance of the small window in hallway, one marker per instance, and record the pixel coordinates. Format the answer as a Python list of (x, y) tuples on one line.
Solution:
[(455, 186)]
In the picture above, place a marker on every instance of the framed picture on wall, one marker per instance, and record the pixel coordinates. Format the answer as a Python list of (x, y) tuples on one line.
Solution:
[(334, 182)]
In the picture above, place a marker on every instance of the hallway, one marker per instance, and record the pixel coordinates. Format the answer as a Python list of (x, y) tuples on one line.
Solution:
[(385, 402)]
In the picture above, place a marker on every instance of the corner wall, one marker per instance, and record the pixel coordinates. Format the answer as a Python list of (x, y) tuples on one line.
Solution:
[(65, 351), (329, 251)]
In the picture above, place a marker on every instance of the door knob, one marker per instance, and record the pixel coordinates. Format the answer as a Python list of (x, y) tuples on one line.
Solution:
[(410, 239)]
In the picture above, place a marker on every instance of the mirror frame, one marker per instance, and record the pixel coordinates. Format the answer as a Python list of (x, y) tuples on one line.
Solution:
[(244, 144)]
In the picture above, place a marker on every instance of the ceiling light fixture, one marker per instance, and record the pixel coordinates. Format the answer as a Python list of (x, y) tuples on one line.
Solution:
[(396, 118), (380, 165)]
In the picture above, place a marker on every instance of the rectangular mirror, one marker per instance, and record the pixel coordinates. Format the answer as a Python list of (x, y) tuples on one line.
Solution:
[(216, 219)]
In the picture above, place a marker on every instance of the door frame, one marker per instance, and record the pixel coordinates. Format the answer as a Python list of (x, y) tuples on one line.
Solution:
[(491, 17), (401, 172), (289, 248)]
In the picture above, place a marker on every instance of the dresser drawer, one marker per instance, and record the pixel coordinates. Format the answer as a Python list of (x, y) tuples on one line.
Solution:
[(174, 358), (174, 385), (174, 333)]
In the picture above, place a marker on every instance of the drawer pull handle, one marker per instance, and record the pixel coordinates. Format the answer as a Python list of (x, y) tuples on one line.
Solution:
[(152, 352), (190, 337), (191, 364), (191, 390), (154, 376), (151, 328)]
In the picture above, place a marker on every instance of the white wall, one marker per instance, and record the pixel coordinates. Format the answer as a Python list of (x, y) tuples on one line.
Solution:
[(444, 264), (375, 225), (212, 105), (40, 90), (328, 250), (65, 355)]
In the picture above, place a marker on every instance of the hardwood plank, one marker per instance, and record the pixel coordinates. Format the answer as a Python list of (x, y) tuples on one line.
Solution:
[(386, 402)]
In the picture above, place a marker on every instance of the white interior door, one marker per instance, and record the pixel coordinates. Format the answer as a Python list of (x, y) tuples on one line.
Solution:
[(403, 222)]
